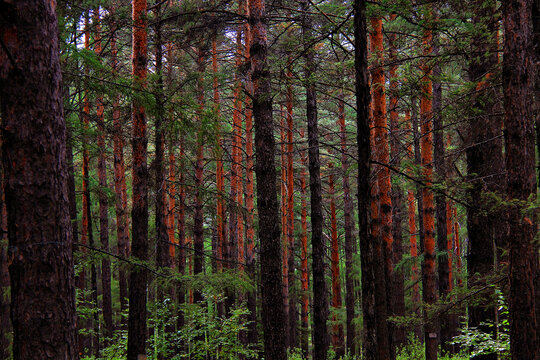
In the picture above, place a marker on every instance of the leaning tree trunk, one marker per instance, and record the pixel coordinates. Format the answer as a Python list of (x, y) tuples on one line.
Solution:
[(36, 188)]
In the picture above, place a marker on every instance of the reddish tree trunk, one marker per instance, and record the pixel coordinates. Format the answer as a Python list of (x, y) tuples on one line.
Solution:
[(426, 144), (137, 331), (337, 328)]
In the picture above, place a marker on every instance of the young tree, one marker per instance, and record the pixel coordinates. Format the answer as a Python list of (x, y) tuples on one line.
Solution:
[(36, 189)]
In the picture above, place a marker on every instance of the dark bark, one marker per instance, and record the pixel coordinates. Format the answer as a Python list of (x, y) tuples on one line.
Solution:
[(367, 251), (518, 76), (163, 258), (198, 233), (484, 168), (5, 321), (103, 205), (320, 300), (348, 214), (137, 330), (440, 201), (265, 171), (36, 183)]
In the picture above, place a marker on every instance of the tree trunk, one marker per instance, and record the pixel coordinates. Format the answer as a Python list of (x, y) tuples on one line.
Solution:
[(320, 301), (518, 77), (265, 170), (349, 230), (429, 293), (399, 333), (485, 170), (304, 342), (36, 189), (337, 328), (198, 230), (120, 187), (137, 331), (367, 251), (103, 204)]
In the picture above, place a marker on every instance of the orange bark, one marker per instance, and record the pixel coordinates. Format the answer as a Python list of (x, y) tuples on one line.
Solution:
[(381, 147), (426, 146), (284, 230), (449, 247), (337, 329), (304, 252), (171, 205), (220, 181), (457, 245)]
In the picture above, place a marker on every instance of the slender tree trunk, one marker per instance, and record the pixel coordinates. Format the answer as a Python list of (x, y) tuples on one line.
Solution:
[(5, 322), (304, 342), (399, 335), (284, 228), (337, 328), (103, 203), (137, 330), (120, 187), (198, 231), (250, 206), (382, 234), (36, 189), (367, 251), (181, 255), (320, 301), (518, 77), (429, 293), (349, 229)]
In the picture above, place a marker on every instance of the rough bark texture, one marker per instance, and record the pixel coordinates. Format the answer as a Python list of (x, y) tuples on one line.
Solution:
[(518, 76), (364, 153), (265, 170), (399, 333), (36, 183), (381, 155), (198, 230), (137, 331), (320, 302), (304, 337), (429, 293)]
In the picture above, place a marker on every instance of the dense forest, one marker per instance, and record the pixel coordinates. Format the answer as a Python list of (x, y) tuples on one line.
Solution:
[(281, 179)]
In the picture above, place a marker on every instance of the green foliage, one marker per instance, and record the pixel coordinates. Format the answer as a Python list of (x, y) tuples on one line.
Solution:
[(208, 335), (481, 342), (414, 350)]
